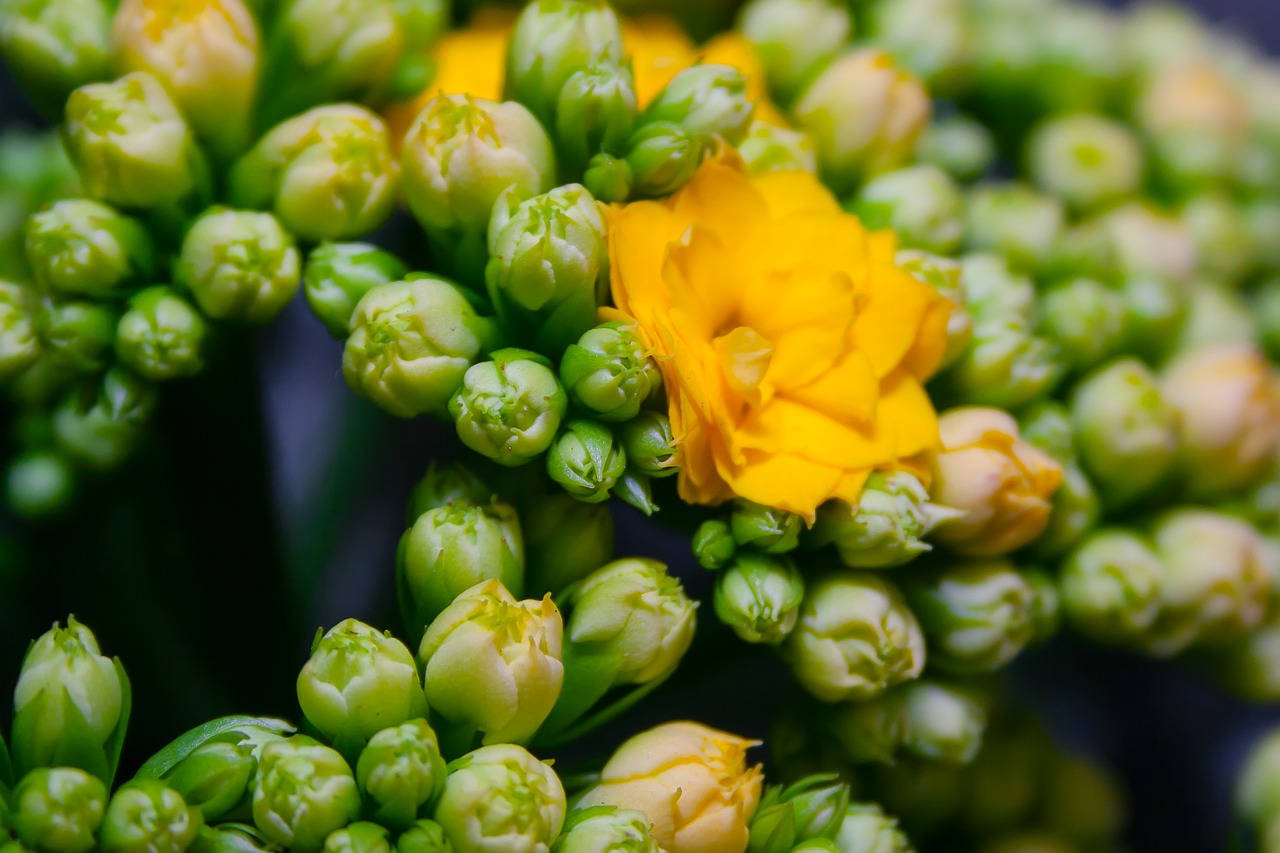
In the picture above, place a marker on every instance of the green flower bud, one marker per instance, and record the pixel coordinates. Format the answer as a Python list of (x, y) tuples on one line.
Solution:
[(1217, 225), (994, 293), (595, 111), (565, 540), (942, 721), (1155, 311), (770, 148), (461, 155), (707, 100), (548, 265), (886, 528), (713, 544), (53, 46), (1250, 668), (161, 336), (608, 177), (552, 40), (587, 459), (1086, 160), (132, 147), (329, 174), (1124, 430), (450, 549), (1257, 796), (147, 816), (869, 732), (425, 836), (493, 665), (359, 837), (338, 275), (1216, 315), (1085, 319), (39, 484), (976, 616), (649, 444), (1005, 366), (239, 265), (411, 344), (58, 809), (795, 39), (865, 115), (662, 158), (444, 483), (501, 798), (509, 409), (1047, 425), (1076, 510), (101, 427), (302, 792), (1216, 582), (41, 383), (609, 373), (929, 37), (817, 845), (230, 838), (947, 277), (216, 778), (959, 146), (1016, 221), (810, 809), (1111, 586), (920, 203), (1083, 803), (358, 681), (635, 613), (867, 829), (606, 829), (80, 247), (401, 773), (856, 638), (773, 531), (759, 597), (77, 335), (19, 343)]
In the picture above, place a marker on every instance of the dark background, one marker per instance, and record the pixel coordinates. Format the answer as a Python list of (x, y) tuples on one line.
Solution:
[(268, 460)]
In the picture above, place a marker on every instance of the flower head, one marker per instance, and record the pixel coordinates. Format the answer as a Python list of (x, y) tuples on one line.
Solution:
[(792, 348)]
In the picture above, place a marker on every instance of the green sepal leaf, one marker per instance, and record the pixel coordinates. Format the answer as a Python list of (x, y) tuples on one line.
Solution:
[(115, 743), (636, 489), (166, 759)]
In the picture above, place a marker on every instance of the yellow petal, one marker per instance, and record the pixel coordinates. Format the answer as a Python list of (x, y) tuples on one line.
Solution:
[(848, 392), (905, 410), (889, 319), (638, 237), (786, 427), (789, 483), (795, 191), (721, 198)]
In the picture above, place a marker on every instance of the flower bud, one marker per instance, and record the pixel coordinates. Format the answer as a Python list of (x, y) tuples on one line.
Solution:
[(649, 444), (230, 838), (920, 203), (239, 265), (462, 154), (444, 483), (707, 100), (1155, 311), (1228, 408), (1197, 121), (661, 159), (1216, 315), (53, 46), (501, 798), (947, 277), (807, 810), (609, 373), (216, 778), (359, 837), (867, 829), (587, 459), (302, 792), (1002, 484), (1124, 430), (958, 145), (450, 549), (1006, 365), (794, 39), (147, 816), (1249, 668), (1016, 221), (713, 544), (759, 597), (161, 336), (357, 682), (718, 793), (941, 721), (1218, 225), (1085, 319), (1146, 242), (19, 344), (83, 248), (1086, 160), (411, 344), (1111, 586), (206, 55), (400, 773), (994, 293), (606, 829), (929, 37), (100, 427), (329, 174), (493, 664), (887, 526), (548, 265), (509, 409), (565, 540), (425, 836), (856, 638), (338, 275), (976, 616), (1216, 582), (595, 111), (132, 147), (39, 484), (77, 336), (865, 115), (1076, 510), (609, 178), (57, 809)]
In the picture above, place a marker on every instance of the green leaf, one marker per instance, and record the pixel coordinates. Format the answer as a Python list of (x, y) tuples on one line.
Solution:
[(115, 743), (166, 759)]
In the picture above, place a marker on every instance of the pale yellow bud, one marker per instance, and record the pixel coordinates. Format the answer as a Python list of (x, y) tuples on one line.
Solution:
[(691, 782), (1003, 485), (1193, 95)]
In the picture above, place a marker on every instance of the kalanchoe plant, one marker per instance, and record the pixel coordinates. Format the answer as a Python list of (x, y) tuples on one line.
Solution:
[(501, 794), (608, 373), (401, 773), (303, 791), (759, 597), (509, 409), (239, 265), (80, 247), (338, 275)]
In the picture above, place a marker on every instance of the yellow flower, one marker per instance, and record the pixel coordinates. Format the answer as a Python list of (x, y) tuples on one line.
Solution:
[(792, 349), (1001, 484), (691, 782)]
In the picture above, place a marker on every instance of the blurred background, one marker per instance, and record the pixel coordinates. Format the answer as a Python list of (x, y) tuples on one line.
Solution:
[(269, 500)]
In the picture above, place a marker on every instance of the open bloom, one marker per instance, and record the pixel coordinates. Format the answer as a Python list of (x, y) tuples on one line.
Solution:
[(792, 349)]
